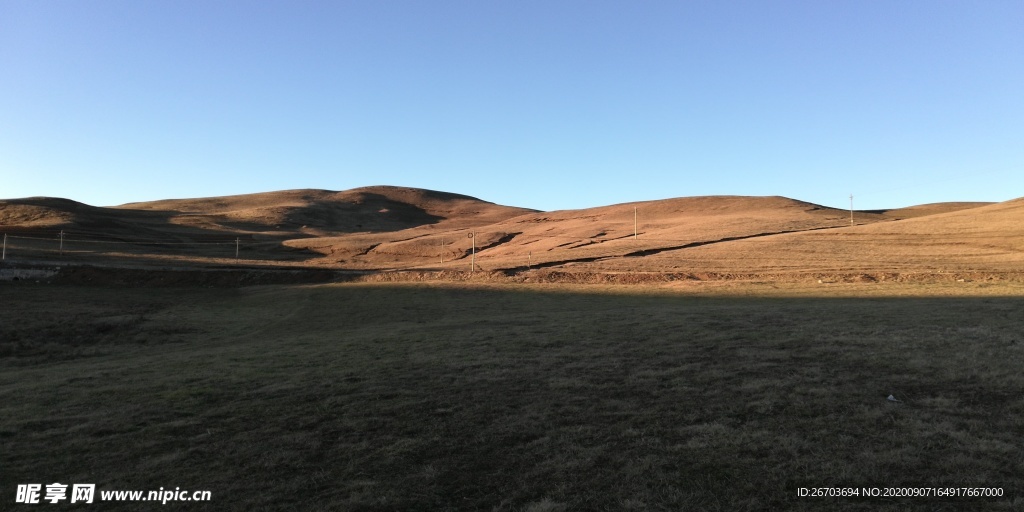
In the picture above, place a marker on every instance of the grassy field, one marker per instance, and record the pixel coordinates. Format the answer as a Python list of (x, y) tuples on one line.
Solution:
[(535, 398)]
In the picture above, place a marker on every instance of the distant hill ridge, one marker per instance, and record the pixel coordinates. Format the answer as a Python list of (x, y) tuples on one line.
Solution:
[(386, 227), (301, 197), (378, 208)]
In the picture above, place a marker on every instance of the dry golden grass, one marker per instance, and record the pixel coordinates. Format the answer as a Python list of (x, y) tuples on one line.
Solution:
[(929, 209), (294, 225), (601, 239), (325, 212), (388, 228), (985, 238), (547, 238)]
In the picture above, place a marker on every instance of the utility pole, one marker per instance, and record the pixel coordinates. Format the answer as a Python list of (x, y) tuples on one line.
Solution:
[(634, 223), (472, 261), (62, 242), (851, 209), (237, 241)]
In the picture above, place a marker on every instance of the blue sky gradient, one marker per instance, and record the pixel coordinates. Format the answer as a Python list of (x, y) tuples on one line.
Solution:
[(541, 104)]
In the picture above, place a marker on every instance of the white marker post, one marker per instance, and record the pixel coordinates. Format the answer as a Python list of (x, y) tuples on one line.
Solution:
[(237, 242), (634, 223), (851, 209), (442, 251), (62, 242), (472, 261), (5, 248)]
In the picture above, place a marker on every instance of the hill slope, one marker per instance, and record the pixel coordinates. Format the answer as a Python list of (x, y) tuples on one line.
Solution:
[(312, 212), (985, 238), (261, 221), (396, 228), (564, 237)]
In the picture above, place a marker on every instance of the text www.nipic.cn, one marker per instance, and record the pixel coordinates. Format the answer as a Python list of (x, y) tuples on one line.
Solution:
[(86, 493)]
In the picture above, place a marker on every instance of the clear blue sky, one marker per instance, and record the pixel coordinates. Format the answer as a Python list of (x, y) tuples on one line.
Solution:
[(545, 104)]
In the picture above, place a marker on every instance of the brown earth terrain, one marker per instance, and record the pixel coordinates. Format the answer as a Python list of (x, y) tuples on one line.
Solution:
[(430, 233), (771, 346), (980, 239)]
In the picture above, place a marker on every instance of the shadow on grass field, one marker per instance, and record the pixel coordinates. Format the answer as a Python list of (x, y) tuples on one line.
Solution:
[(450, 397)]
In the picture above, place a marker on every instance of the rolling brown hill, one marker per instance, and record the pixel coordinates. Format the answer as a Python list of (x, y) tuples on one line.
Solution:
[(404, 228), (984, 238), (177, 228), (325, 212), (603, 234), (41, 212), (45, 216), (551, 238), (927, 209)]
